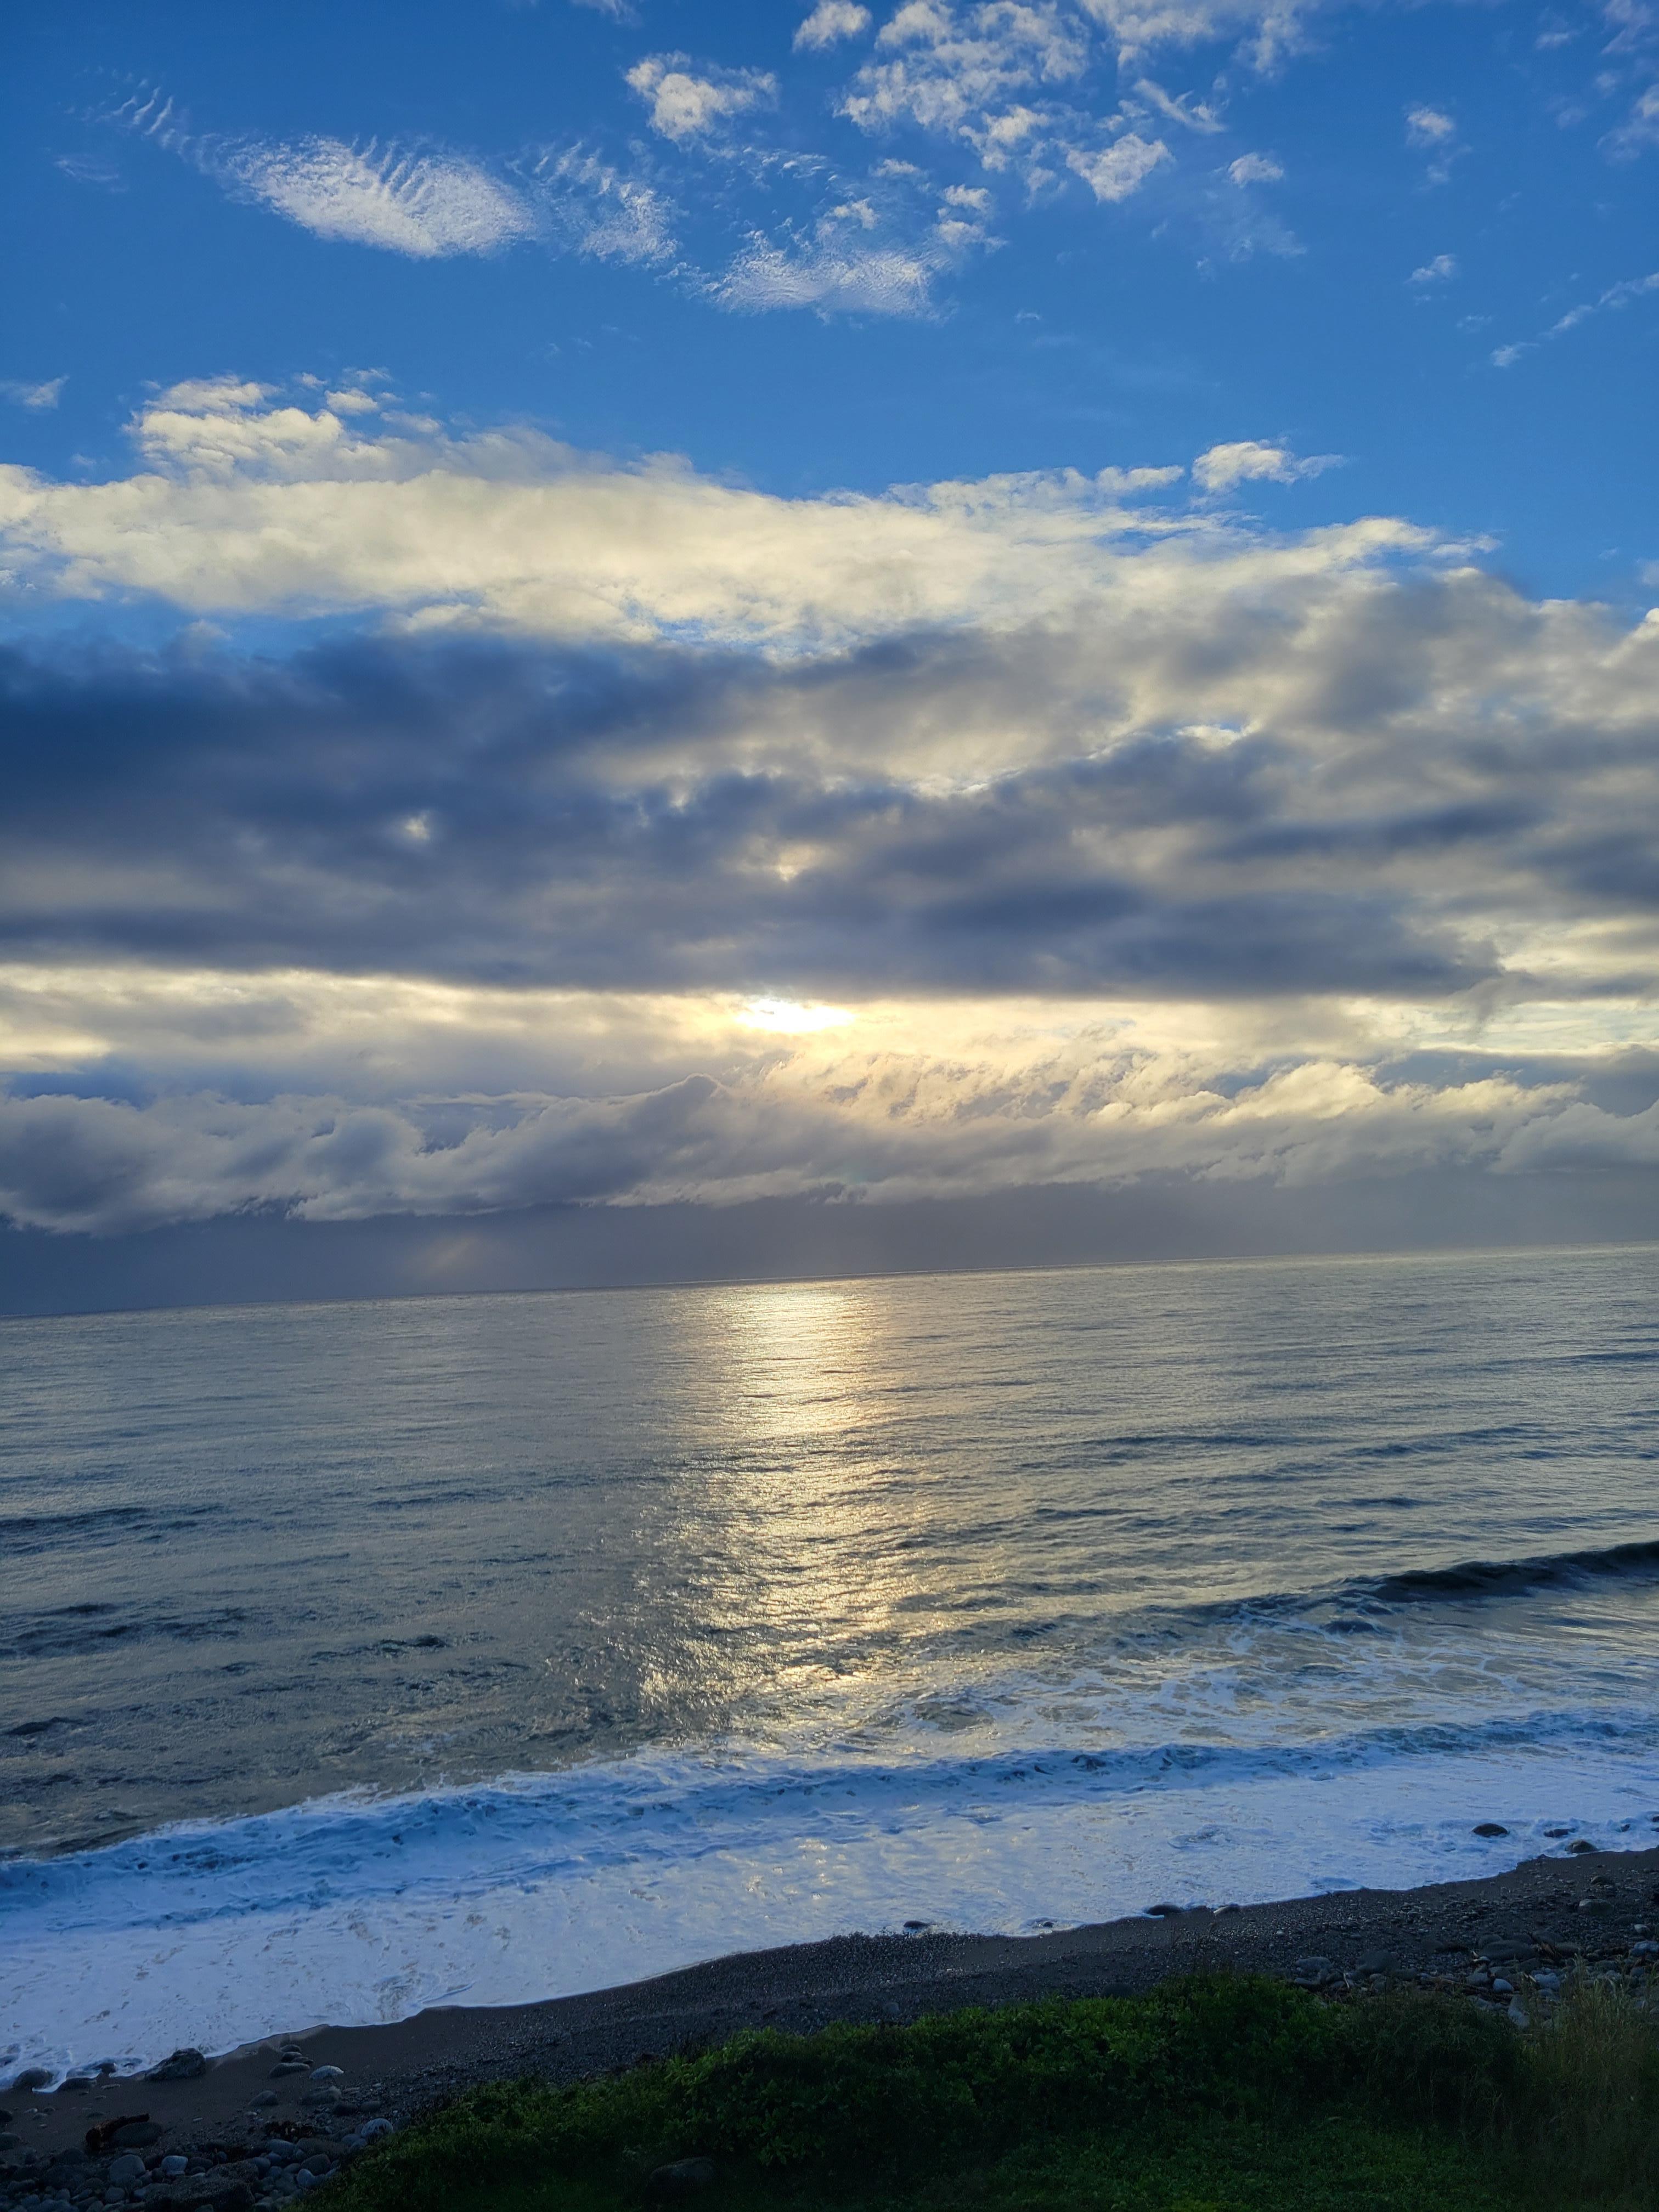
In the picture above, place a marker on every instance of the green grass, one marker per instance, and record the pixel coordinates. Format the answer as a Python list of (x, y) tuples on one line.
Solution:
[(1213, 2094)]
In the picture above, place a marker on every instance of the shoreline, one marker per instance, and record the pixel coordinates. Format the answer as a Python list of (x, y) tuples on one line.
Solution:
[(1548, 1911)]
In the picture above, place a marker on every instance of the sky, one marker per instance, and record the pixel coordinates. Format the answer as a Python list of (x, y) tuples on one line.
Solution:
[(865, 634)]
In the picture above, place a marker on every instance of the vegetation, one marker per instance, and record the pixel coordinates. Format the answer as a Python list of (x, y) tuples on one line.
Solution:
[(1213, 2094)]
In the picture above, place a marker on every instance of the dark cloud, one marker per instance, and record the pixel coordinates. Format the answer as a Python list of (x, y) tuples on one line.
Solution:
[(676, 819)]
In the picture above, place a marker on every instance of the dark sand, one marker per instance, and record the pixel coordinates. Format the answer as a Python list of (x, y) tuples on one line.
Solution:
[(1532, 1917)]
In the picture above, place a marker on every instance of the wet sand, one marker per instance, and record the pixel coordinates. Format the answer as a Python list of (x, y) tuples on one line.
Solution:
[(1549, 1910)]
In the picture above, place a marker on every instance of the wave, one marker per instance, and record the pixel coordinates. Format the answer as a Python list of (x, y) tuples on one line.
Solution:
[(653, 1809), (1506, 1578)]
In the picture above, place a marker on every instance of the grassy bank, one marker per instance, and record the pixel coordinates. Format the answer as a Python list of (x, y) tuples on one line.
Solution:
[(1207, 2095)]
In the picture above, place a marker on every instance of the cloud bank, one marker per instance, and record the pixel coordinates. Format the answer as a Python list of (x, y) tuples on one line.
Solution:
[(651, 837)]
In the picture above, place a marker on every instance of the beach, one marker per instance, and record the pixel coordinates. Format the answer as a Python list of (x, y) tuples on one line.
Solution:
[(1540, 1918)]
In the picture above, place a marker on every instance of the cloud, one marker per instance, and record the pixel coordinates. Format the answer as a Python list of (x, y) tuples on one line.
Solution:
[(1268, 29), (1260, 773), (1615, 297), (1429, 126), (830, 273), (959, 72), (429, 206), (1440, 271), (1639, 130), (1122, 168), (830, 21), (34, 395), (892, 1127), (244, 503), (1192, 115), (1123, 838), (1432, 130), (595, 208), (1255, 169), (1249, 461), (684, 107)]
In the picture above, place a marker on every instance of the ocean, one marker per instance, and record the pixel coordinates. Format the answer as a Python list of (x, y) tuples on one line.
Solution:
[(360, 1658)]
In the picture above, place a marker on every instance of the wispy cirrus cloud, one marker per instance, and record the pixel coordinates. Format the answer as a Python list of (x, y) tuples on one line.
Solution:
[(38, 397), (426, 203), (832, 272), (1622, 295), (1256, 169), (596, 209)]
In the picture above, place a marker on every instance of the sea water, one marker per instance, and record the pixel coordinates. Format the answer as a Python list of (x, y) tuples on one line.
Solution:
[(359, 1658)]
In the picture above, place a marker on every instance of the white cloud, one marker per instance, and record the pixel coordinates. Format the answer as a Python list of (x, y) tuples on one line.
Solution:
[(1255, 169), (1440, 271), (1640, 128), (957, 72), (829, 21), (684, 107), (427, 205), (1249, 461), (1121, 169), (1433, 132), (34, 395), (1269, 29), (890, 1124), (833, 274), (1429, 126), (1615, 297), (246, 504), (596, 209), (1192, 115)]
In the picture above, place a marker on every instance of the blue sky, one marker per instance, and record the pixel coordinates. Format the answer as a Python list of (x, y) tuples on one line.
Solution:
[(1192, 311), (690, 605)]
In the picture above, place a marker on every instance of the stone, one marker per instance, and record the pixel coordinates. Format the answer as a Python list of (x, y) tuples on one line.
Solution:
[(1580, 1845), (684, 2178), (372, 2130), (33, 2077), (1500, 1988), (288, 2066), (328, 2073), (1518, 2015), (1375, 1962), (135, 2135), (186, 2064), (265, 2097), (323, 2099), (1490, 1828), (174, 2164), (1645, 1949), (1313, 1973), (125, 2170)]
